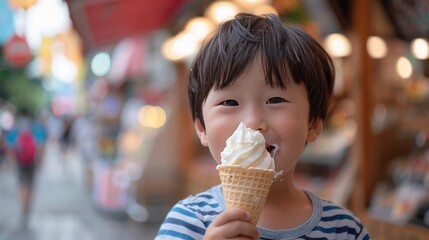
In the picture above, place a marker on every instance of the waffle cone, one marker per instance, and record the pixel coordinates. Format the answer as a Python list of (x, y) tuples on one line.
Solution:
[(245, 188)]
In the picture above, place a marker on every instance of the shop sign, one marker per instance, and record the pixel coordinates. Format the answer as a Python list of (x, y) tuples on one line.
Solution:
[(17, 52)]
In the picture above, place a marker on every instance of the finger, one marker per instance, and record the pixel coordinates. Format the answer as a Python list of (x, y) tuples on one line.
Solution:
[(230, 215), (242, 229), (245, 238)]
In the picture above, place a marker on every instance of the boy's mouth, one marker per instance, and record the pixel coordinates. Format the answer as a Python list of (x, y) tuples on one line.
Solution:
[(272, 149)]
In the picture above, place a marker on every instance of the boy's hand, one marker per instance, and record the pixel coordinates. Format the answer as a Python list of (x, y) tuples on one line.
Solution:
[(232, 224)]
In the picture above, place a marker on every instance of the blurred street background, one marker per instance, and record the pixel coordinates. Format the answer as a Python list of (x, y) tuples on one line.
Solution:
[(62, 207), (101, 86)]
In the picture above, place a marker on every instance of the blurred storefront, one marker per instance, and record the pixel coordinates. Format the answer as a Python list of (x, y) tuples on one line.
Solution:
[(130, 97), (129, 63)]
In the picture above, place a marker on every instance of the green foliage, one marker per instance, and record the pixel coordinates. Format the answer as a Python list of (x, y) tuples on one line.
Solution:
[(22, 92)]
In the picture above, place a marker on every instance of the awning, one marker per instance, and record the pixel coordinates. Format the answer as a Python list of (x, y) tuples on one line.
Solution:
[(103, 22)]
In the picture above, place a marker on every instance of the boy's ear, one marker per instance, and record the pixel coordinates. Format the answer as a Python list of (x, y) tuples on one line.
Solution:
[(201, 132), (314, 130)]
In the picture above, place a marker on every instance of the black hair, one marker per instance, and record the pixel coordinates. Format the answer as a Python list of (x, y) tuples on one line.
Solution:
[(287, 54)]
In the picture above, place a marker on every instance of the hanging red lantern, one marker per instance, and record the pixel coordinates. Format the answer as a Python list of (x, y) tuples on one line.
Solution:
[(17, 53)]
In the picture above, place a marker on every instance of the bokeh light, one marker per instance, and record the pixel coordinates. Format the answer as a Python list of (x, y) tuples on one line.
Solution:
[(200, 27), (337, 45), (376, 47), (420, 48), (152, 116), (6, 120), (221, 11), (404, 67), (101, 64)]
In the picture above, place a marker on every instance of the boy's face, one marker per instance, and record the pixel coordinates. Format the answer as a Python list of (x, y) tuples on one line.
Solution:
[(281, 115)]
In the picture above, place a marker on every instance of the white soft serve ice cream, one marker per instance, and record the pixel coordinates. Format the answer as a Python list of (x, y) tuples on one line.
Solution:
[(246, 148)]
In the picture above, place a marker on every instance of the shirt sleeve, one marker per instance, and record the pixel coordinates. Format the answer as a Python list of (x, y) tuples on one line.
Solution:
[(363, 235), (182, 222)]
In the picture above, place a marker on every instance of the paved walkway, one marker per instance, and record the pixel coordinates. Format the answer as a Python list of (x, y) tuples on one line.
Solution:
[(62, 207)]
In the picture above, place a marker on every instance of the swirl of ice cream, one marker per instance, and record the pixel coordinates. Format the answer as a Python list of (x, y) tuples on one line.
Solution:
[(246, 148)]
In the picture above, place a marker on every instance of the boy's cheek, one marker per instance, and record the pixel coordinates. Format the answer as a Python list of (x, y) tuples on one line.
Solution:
[(216, 146), (215, 154)]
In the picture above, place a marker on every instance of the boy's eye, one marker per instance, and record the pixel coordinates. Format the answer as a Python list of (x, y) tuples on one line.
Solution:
[(275, 100), (229, 102)]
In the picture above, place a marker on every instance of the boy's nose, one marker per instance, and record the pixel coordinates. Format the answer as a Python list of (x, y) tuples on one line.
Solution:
[(255, 120)]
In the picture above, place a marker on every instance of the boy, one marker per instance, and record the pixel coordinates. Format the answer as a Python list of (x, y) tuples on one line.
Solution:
[(277, 80)]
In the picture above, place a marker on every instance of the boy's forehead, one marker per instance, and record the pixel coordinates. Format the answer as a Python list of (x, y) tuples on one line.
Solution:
[(256, 68)]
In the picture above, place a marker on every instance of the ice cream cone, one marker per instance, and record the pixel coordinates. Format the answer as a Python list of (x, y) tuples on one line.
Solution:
[(245, 188)]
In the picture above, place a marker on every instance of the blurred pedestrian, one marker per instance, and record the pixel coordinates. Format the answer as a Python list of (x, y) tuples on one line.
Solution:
[(3, 156), (54, 128), (66, 137), (24, 142), (40, 134)]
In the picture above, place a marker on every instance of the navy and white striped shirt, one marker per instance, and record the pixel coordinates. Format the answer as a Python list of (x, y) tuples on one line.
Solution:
[(190, 217)]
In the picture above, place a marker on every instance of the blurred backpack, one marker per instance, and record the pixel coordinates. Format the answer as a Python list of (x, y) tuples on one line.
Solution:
[(25, 148)]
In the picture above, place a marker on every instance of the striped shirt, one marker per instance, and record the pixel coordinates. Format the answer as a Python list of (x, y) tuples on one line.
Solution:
[(190, 217)]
